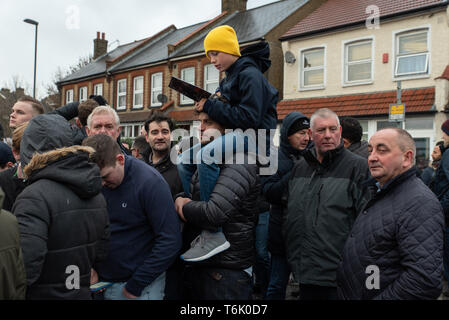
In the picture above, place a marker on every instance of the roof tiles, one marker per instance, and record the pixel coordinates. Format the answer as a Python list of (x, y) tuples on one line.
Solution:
[(337, 13), (367, 104)]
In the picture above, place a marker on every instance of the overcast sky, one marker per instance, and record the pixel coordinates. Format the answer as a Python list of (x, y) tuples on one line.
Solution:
[(67, 29)]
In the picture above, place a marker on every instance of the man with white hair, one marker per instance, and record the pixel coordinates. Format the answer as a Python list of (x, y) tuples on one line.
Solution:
[(325, 194), (395, 250), (104, 120)]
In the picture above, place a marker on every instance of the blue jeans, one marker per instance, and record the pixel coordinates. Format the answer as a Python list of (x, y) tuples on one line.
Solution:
[(262, 266), (206, 159), (279, 275), (154, 291)]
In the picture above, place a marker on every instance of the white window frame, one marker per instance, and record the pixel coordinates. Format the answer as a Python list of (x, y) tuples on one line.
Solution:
[(136, 92), (69, 96), (127, 130), (82, 94), (395, 65), (121, 94), (210, 81), (156, 89), (183, 99), (301, 86), (345, 63), (98, 92)]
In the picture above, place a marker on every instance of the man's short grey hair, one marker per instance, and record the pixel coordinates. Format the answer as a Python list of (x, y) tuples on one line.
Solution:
[(103, 110), (323, 113)]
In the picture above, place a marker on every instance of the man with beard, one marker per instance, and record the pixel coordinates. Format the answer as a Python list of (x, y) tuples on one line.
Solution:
[(159, 128)]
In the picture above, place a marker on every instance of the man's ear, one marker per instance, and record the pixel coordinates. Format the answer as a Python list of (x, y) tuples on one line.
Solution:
[(87, 131), (310, 134), (120, 158), (408, 158), (78, 123)]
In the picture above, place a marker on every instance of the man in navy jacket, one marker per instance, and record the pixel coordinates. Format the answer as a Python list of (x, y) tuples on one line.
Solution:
[(395, 248), (145, 229)]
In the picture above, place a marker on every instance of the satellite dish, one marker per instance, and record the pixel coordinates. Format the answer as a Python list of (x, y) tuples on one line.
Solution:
[(162, 98), (289, 57)]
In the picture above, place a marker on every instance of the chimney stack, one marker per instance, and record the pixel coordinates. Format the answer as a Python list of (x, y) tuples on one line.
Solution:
[(100, 45), (233, 5)]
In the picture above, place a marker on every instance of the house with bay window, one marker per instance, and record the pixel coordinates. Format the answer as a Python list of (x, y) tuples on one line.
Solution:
[(351, 55)]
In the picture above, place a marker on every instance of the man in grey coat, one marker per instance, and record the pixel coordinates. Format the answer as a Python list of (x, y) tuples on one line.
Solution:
[(325, 194)]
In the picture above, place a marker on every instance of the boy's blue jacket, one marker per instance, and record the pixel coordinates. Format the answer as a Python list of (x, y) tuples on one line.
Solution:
[(252, 99)]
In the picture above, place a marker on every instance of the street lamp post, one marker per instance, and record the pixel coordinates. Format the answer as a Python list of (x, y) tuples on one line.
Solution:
[(35, 23)]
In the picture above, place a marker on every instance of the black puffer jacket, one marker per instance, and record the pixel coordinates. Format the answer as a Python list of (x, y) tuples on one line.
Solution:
[(232, 206), (401, 232), (63, 222)]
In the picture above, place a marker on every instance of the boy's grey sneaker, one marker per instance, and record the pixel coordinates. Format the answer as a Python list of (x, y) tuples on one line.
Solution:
[(206, 245)]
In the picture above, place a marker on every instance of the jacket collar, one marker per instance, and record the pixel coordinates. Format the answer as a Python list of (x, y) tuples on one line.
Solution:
[(329, 156), (163, 161), (393, 183)]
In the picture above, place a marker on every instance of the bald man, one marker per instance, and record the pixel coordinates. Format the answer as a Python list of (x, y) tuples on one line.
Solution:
[(395, 248)]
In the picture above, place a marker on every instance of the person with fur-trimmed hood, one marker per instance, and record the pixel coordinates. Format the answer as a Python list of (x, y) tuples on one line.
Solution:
[(62, 215)]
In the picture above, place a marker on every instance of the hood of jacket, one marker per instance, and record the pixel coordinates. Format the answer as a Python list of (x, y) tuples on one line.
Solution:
[(44, 133), (288, 121), (69, 166), (257, 55)]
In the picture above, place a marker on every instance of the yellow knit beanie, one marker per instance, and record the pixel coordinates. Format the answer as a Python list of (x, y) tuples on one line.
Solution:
[(224, 39)]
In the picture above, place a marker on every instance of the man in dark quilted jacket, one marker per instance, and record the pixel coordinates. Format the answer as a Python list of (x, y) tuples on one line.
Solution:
[(395, 248)]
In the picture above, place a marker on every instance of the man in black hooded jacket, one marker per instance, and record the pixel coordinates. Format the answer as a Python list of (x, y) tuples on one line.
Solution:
[(62, 216), (295, 140)]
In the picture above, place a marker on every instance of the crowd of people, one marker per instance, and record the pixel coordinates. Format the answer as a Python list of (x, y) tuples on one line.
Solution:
[(85, 217)]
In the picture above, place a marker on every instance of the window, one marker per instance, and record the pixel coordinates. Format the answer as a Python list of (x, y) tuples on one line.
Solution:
[(188, 75), (131, 130), (312, 68), (419, 124), (121, 94), (211, 78), (358, 62), (83, 94), (156, 88), (412, 53), (364, 125), (138, 92), (69, 96), (98, 89)]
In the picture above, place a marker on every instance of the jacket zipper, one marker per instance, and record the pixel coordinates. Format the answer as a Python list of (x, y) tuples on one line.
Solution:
[(318, 204)]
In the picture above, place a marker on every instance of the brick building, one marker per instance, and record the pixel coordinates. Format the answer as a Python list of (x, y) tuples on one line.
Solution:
[(134, 77), (341, 58)]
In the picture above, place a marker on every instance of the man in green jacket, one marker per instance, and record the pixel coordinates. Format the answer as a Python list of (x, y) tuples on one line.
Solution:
[(325, 194), (12, 269)]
